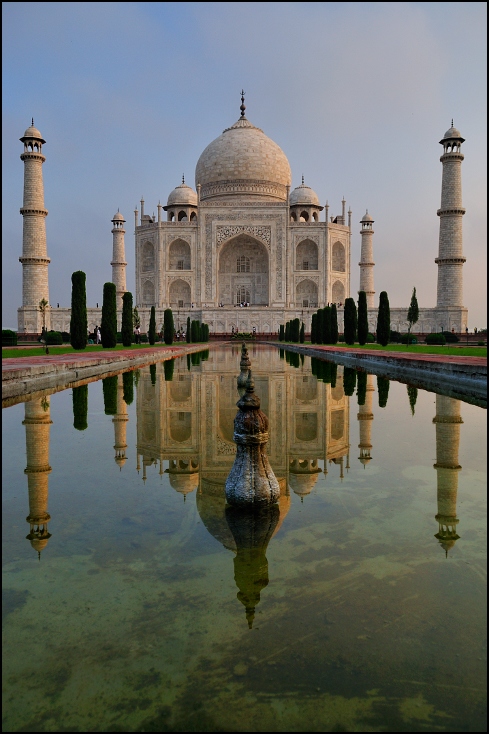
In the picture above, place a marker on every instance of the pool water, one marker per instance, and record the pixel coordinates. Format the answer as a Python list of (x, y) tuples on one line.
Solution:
[(136, 602)]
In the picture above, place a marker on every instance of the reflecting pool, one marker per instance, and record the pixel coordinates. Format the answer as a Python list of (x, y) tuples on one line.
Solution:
[(134, 601)]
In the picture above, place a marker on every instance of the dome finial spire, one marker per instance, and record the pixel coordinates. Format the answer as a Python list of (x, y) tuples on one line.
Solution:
[(243, 106), (33, 122), (183, 178), (303, 179), (452, 121)]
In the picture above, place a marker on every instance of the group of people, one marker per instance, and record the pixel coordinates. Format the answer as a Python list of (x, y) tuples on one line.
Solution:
[(97, 336), (243, 304)]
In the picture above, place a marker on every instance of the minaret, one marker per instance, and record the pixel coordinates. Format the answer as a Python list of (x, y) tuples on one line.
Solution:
[(450, 258), (447, 422), (118, 257), (34, 253), (367, 259), (37, 424), (365, 417), (120, 420)]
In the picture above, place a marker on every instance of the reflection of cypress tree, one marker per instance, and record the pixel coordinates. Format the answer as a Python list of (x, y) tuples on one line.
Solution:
[(205, 355), (383, 389), (152, 372), (80, 407), (189, 362), (413, 396), (109, 387), (168, 366), (334, 372), (314, 366), (301, 358), (281, 353), (349, 381), (295, 359), (128, 387), (361, 387)]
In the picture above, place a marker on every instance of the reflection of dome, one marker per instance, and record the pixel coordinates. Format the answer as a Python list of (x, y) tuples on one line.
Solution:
[(243, 160), (183, 195), (303, 195), (184, 483), (303, 475)]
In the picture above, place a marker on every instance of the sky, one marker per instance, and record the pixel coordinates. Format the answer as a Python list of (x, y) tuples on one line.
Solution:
[(357, 95)]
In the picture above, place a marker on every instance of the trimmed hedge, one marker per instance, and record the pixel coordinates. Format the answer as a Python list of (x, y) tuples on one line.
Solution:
[(436, 339), (9, 338), (54, 337)]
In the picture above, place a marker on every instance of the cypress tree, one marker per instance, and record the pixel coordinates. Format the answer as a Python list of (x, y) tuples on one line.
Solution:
[(413, 312), (334, 324), (383, 384), (350, 321), (319, 326), (361, 387), (313, 328), (152, 326), (413, 396), (80, 407), (194, 329), (295, 330), (362, 318), (281, 333), (188, 335), (109, 387), (127, 319), (78, 321), (128, 387), (168, 366), (326, 325), (383, 320), (301, 333), (168, 326), (108, 326), (152, 372), (349, 381), (287, 332)]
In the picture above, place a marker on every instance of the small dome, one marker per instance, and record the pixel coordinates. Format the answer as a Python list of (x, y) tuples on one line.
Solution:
[(304, 196), (366, 218), (452, 133), (118, 217), (183, 195), (32, 133)]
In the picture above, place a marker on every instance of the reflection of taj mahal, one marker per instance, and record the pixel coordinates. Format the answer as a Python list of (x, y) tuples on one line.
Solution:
[(244, 236)]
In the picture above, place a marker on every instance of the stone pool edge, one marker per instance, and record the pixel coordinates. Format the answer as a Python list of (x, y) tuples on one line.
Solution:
[(22, 381), (461, 376)]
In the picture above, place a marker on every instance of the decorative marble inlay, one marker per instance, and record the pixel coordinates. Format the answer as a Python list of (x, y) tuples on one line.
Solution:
[(224, 233)]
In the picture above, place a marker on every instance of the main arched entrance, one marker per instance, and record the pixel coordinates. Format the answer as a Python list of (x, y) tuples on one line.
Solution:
[(243, 272)]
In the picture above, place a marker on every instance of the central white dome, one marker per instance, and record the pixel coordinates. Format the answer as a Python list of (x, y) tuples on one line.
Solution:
[(243, 161)]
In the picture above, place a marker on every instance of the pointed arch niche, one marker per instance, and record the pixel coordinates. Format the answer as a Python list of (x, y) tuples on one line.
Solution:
[(243, 268), (179, 255)]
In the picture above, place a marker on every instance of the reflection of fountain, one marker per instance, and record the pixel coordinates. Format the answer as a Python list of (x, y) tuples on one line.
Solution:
[(447, 421), (252, 530), (245, 365), (251, 481), (37, 424)]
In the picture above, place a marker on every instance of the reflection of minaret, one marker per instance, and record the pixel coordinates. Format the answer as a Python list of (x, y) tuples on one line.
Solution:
[(120, 425), (447, 421), (37, 424), (365, 416)]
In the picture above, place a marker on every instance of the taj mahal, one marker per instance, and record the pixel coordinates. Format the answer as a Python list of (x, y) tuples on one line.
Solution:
[(242, 250)]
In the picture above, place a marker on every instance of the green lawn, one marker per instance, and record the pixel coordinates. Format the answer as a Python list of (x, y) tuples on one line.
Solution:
[(453, 349), (67, 349)]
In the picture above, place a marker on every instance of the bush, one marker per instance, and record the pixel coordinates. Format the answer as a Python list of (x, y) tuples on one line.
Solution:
[(408, 339), (481, 344), (370, 338), (436, 339), (9, 338), (395, 336), (65, 335), (450, 338), (143, 338), (54, 337)]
